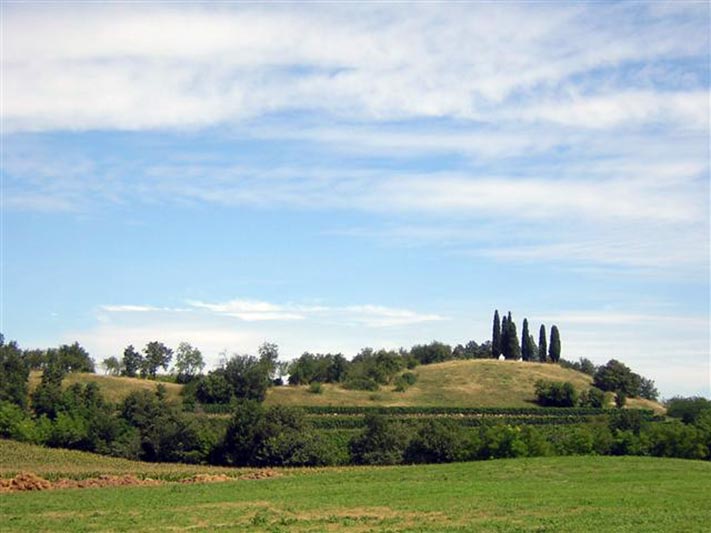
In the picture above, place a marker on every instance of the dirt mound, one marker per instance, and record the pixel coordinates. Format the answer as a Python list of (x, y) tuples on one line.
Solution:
[(24, 481), (261, 474), (28, 481), (103, 481)]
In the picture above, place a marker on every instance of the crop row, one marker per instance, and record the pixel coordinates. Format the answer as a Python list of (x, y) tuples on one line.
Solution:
[(537, 412), (465, 411), (357, 422)]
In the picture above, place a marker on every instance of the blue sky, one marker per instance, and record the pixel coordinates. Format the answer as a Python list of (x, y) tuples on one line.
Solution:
[(334, 176)]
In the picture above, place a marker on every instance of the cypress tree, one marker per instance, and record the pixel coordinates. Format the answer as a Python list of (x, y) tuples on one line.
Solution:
[(554, 349), (513, 347), (496, 336), (542, 344), (525, 344), (504, 337), (532, 348)]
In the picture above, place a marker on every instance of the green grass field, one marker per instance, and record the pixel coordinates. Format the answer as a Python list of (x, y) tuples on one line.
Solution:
[(542, 494)]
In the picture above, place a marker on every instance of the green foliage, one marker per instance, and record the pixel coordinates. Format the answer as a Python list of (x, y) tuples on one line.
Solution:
[(14, 373), (615, 376), (688, 410), (74, 358), (438, 441), (188, 362), (434, 352), (361, 383), (324, 368), (132, 362), (315, 388), (157, 355), (554, 348), (501, 441), (275, 436), (496, 336), (555, 393), (112, 366), (381, 443), (648, 390), (676, 439), (526, 341), (593, 397), (211, 389), (404, 381), (248, 377), (472, 350), (509, 339), (269, 358), (47, 396), (542, 344), (584, 365)]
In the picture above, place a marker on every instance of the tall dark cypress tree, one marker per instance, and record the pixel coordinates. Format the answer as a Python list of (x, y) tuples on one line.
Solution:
[(496, 336), (525, 344), (554, 349), (542, 344), (504, 337), (513, 348)]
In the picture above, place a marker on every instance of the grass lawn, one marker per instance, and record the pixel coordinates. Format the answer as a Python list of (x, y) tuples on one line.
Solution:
[(541, 494)]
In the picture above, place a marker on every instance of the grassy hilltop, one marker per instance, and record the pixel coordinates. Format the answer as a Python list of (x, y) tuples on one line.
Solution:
[(461, 383)]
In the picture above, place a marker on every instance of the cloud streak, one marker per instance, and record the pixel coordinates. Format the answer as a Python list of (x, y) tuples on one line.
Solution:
[(225, 64), (368, 315)]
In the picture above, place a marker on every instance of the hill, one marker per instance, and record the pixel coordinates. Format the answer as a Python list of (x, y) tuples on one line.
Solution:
[(536, 494), (462, 383), (113, 388)]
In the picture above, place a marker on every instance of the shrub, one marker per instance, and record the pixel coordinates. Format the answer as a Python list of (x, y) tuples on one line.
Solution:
[(315, 387), (360, 383), (501, 441), (381, 443), (404, 381), (688, 410), (593, 397), (555, 393), (438, 441)]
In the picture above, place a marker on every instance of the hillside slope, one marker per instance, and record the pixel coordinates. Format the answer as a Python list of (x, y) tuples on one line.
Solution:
[(470, 383), (113, 388)]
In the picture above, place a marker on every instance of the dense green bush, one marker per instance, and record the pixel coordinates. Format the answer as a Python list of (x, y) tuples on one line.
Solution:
[(404, 381), (555, 393), (688, 410), (439, 441), (381, 443)]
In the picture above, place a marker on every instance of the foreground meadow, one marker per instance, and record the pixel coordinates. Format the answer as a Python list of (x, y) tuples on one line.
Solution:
[(539, 494)]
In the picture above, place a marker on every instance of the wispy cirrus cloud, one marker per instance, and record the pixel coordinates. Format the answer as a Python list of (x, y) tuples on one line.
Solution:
[(368, 315), (227, 63)]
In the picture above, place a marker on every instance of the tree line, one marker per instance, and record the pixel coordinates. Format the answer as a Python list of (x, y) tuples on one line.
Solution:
[(505, 341), (145, 425)]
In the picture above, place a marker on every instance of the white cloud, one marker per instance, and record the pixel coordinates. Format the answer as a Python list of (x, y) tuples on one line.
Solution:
[(167, 66), (375, 316)]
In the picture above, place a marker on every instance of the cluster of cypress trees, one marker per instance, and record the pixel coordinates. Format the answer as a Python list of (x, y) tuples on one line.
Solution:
[(504, 341)]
